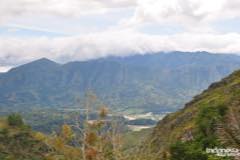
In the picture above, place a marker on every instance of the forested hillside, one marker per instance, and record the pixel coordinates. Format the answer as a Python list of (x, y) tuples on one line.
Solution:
[(141, 83)]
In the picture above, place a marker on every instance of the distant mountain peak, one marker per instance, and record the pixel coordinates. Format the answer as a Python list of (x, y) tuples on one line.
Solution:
[(43, 60), (43, 63)]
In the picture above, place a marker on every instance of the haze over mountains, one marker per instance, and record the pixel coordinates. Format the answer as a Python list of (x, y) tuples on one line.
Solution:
[(141, 83)]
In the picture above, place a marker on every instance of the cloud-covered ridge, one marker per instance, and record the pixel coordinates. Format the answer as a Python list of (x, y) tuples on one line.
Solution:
[(18, 50)]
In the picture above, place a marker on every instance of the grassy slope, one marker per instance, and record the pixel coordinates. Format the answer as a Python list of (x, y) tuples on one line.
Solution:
[(133, 139), (209, 120)]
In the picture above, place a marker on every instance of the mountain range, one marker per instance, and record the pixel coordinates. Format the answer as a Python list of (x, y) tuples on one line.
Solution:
[(157, 82)]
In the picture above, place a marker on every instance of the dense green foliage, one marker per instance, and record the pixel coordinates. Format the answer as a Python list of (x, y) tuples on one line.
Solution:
[(207, 122), (191, 151), (141, 83), (187, 151), (15, 120), (206, 137)]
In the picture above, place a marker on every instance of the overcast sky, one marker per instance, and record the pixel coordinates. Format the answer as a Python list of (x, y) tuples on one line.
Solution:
[(65, 30)]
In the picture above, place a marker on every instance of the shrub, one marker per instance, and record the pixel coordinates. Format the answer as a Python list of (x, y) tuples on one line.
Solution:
[(15, 120)]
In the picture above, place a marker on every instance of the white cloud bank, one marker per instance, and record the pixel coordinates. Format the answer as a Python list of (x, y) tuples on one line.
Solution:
[(17, 50)]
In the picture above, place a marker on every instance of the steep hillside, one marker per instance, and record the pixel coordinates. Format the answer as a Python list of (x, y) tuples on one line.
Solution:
[(149, 83), (211, 119)]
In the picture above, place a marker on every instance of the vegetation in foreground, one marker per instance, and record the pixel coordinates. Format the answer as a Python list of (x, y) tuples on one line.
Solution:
[(211, 120), (99, 139)]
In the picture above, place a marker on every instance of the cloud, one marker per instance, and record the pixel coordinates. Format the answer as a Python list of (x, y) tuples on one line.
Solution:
[(184, 12), (192, 15), (74, 8), (15, 51), (5, 68), (188, 13)]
